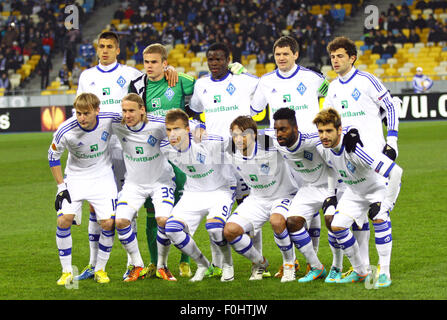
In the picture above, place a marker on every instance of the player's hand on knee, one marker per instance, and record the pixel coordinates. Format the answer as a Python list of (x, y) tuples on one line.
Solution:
[(374, 209), (329, 202), (62, 194), (350, 140)]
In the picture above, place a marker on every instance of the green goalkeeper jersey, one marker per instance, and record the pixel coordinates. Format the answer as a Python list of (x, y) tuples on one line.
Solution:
[(159, 97)]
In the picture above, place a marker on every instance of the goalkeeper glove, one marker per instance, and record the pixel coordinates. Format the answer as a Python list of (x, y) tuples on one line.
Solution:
[(62, 194), (323, 88), (236, 68), (390, 149), (350, 140), (329, 202)]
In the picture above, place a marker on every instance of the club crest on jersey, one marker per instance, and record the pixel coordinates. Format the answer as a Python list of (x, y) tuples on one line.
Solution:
[(152, 140), (201, 158), (356, 94), (230, 89), (105, 135), (308, 155), (265, 168), (350, 166), (169, 94), (301, 88), (121, 81)]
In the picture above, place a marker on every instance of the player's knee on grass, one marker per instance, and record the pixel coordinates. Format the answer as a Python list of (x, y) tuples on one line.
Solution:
[(65, 221), (278, 223), (232, 231), (295, 223), (336, 228)]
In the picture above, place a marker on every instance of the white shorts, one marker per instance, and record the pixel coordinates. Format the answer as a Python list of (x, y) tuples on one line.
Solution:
[(307, 202), (254, 212), (133, 196), (354, 208), (101, 193), (194, 206)]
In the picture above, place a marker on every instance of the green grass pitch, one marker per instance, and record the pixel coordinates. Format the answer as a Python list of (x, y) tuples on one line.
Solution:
[(29, 264)]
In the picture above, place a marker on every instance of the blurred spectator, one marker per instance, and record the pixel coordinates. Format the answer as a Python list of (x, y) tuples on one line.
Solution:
[(377, 48), (44, 68), (414, 37), (390, 48), (64, 75), (4, 81), (421, 83)]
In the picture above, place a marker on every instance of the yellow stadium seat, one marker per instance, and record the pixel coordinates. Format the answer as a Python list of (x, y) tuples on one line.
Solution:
[(47, 92), (270, 66), (70, 91)]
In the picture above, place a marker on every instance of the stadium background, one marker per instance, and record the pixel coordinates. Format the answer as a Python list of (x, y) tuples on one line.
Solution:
[(30, 29)]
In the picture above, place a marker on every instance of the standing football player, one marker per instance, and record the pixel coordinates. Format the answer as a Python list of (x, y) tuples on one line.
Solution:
[(88, 176), (360, 98), (367, 195)]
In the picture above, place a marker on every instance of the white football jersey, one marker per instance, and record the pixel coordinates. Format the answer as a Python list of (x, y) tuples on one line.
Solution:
[(203, 164), (358, 97), (304, 159), (141, 150), (362, 171), (88, 151), (265, 170), (223, 100), (109, 83), (299, 92)]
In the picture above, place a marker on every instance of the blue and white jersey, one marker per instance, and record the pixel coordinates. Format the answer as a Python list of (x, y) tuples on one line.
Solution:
[(362, 171), (88, 150), (203, 164), (304, 159), (223, 100), (265, 170), (299, 92), (358, 97), (109, 83), (422, 83), (141, 150)]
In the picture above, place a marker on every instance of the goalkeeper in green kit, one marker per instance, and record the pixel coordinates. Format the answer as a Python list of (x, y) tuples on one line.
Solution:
[(159, 97)]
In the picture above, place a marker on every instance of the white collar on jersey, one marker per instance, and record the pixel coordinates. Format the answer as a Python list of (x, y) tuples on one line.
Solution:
[(348, 76), (137, 127), (108, 68), (288, 73), (339, 148), (296, 145)]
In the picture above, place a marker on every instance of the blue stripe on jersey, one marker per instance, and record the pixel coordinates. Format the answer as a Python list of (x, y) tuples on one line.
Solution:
[(390, 110), (221, 79), (373, 80), (291, 76), (363, 155), (339, 153), (353, 75), (387, 173), (164, 143), (66, 128), (316, 73), (54, 163), (251, 75), (107, 71), (257, 111)]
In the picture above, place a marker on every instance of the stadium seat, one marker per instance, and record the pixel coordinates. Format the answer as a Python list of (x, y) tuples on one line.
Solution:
[(270, 66)]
